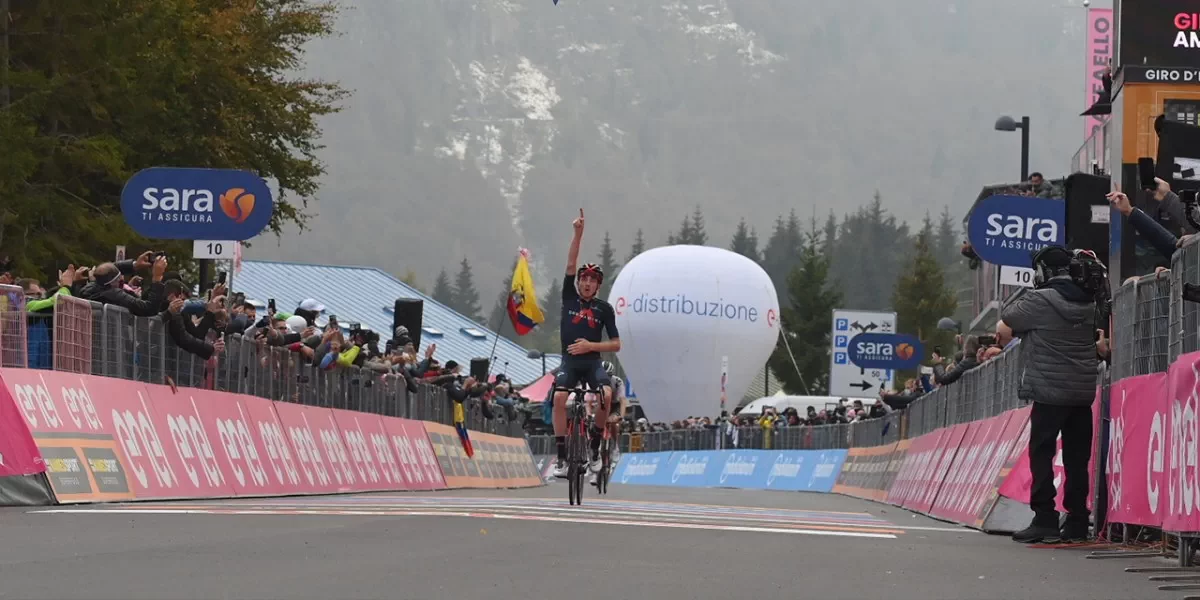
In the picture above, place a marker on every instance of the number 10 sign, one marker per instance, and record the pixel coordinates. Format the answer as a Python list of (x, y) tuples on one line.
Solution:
[(1022, 276), (213, 249)]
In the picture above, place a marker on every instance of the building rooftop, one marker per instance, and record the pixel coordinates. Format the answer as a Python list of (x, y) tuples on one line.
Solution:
[(367, 295)]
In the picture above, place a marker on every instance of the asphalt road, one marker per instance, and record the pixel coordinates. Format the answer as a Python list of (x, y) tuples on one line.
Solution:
[(638, 542)]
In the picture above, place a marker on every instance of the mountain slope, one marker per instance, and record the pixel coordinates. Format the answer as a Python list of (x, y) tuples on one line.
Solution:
[(480, 125)]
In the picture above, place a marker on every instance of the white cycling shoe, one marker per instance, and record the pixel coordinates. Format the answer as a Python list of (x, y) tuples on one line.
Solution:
[(560, 469), (596, 465)]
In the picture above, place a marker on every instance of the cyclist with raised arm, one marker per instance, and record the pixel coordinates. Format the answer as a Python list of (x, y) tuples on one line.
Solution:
[(585, 320)]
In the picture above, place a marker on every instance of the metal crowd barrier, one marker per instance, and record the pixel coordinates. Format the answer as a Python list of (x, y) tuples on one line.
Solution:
[(103, 339), (1184, 319), (13, 341), (983, 392)]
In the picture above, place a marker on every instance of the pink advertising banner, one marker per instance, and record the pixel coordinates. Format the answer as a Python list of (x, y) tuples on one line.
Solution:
[(938, 467), (18, 453), (914, 474), (1178, 493), (1099, 50), (1020, 481), (1136, 449)]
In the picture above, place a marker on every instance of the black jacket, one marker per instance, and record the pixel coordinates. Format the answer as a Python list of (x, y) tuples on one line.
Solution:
[(946, 377), (147, 306), (1057, 327), (180, 334)]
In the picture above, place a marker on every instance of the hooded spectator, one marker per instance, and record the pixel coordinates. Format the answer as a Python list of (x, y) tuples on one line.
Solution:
[(106, 289)]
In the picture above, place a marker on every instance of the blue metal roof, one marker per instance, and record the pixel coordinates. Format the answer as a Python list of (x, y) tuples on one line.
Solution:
[(367, 295)]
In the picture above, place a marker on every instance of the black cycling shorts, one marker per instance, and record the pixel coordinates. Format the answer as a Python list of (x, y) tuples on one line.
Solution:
[(589, 371)]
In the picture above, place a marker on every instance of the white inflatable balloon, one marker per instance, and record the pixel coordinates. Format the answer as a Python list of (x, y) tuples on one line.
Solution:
[(683, 311)]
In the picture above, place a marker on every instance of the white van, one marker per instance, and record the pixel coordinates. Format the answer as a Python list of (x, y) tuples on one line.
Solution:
[(800, 403)]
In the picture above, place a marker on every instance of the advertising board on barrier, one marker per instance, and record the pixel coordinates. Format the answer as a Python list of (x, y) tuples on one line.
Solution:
[(865, 471), (1177, 490), (1019, 482), (1137, 449), (643, 468), (790, 470), (74, 424), (499, 462), (18, 452), (972, 476), (100, 439)]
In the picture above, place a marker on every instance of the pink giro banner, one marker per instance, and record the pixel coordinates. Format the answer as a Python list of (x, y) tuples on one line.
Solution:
[(1178, 491), (940, 462), (104, 440), (915, 471), (18, 453), (1099, 50), (1019, 481), (1136, 449)]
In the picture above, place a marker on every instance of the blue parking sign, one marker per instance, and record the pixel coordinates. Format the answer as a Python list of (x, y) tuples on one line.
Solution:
[(843, 324), (839, 358), (840, 341)]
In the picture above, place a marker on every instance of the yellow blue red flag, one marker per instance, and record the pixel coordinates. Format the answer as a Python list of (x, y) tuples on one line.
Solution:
[(523, 308)]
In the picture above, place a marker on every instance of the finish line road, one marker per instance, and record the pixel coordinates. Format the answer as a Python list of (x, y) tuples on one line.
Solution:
[(637, 542)]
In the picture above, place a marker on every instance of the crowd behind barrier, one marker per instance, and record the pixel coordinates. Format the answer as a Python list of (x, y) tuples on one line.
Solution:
[(983, 392), (85, 337)]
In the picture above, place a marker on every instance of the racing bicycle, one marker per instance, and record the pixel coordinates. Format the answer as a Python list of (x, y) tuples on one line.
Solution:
[(607, 443), (577, 442)]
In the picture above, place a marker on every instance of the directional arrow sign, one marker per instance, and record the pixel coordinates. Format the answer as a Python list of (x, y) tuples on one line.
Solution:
[(845, 377)]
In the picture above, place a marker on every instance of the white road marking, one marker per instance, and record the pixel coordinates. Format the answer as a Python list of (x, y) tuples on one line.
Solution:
[(502, 516), (875, 523)]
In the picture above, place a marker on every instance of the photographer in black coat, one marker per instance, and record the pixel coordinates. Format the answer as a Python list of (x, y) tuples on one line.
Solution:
[(1056, 322)]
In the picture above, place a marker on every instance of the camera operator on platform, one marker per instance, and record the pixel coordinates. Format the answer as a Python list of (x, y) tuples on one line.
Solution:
[(1057, 324)]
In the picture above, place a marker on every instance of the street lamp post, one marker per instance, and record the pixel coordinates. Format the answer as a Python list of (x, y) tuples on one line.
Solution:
[(1007, 123), (536, 354)]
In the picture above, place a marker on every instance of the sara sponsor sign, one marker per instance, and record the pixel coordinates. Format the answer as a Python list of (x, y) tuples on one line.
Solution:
[(794, 470), (196, 204), (1007, 230), (845, 377), (885, 351)]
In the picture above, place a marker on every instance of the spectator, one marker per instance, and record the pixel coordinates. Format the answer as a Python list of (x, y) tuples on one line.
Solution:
[(106, 289), (1038, 186), (901, 400), (40, 300), (970, 360), (181, 331), (1004, 336)]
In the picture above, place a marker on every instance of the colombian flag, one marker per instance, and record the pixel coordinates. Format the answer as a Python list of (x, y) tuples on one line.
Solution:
[(460, 425), (523, 309)]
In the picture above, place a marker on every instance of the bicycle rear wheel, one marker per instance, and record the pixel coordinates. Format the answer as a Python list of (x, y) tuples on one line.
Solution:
[(605, 463)]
